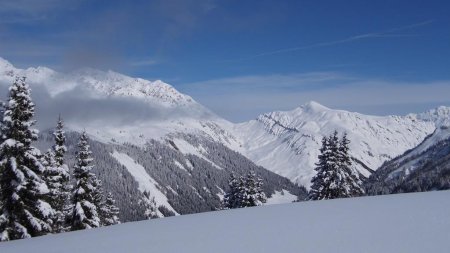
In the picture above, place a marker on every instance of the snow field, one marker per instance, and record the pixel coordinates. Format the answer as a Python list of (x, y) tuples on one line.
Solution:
[(417, 222)]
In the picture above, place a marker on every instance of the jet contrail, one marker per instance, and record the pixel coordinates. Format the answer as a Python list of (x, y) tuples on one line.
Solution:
[(383, 34)]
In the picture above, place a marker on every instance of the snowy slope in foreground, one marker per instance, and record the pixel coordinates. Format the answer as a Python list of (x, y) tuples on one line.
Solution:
[(415, 222)]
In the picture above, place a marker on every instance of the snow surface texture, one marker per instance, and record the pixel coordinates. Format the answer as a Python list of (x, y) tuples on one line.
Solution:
[(416, 222), (146, 183)]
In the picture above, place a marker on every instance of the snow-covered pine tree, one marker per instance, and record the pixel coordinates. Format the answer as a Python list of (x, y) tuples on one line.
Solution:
[(24, 212), (252, 193), (57, 179), (322, 167), (232, 197), (99, 200), (334, 177), (2, 111), (84, 211), (244, 192), (149, 203), (58, 196), (111, 211), (326, 182), (351, 181), (59, 148)]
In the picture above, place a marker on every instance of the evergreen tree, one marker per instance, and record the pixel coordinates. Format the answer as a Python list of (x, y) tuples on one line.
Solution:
[(59, 148), (318, 181), (334, 176), (84, 210), (244, 192), (24, 212), (351, 181), (232, 197), (149, 203), (111, 212), (57, 178), (2, 111), (99, 200), (252, 194)]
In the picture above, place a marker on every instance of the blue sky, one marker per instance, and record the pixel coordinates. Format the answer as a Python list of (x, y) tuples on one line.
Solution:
[(242, 58)]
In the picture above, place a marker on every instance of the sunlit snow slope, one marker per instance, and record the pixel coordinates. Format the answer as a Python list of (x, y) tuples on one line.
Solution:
[(288, 142), (416, 222)]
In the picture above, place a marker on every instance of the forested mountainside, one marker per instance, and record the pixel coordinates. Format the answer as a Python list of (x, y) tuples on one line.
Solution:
[(423, 168), (186, 173)]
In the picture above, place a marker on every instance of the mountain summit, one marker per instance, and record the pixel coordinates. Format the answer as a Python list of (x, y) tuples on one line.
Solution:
[(104, 83), (288, 142)]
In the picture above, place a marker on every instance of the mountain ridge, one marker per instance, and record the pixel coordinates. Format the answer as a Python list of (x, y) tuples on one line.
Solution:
[(285, 142), (294, 137)]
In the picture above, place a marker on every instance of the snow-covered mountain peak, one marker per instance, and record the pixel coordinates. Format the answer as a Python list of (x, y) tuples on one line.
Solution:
[(313, 106), (288, 142), (103, 83), (111, 83), (41, 70), (10, 70), (6, 68), (310, 117), (440, 116), (169, 111), (40, 74), (5, 64)]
